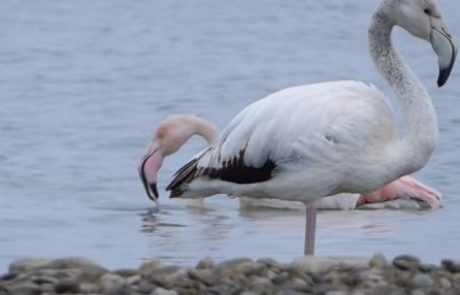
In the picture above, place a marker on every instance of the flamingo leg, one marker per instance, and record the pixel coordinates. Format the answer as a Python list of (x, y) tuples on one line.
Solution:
[(310, 229)]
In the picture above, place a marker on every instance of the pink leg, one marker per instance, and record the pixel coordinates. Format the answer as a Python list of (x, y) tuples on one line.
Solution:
[(310, 228)]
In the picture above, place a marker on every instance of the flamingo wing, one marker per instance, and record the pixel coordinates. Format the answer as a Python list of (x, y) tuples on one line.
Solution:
[(306, 124)]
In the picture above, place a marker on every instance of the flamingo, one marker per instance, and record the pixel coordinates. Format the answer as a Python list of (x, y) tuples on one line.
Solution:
[(312, 141), (174, 131)]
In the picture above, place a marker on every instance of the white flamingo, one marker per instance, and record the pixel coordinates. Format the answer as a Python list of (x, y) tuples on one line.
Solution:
[(172, 132), (307, 142)]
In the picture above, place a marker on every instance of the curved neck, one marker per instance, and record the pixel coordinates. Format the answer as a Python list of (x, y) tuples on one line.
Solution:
[(205, 129), (421, 130)]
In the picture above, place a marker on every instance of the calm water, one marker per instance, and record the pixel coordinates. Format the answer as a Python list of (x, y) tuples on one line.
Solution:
[(82, 84)]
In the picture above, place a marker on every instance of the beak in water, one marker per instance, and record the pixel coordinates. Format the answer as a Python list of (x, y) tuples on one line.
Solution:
[(446, 50), (148, 170)]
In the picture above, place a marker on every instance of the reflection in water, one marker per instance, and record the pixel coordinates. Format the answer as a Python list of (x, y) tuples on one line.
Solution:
[(225, 233)]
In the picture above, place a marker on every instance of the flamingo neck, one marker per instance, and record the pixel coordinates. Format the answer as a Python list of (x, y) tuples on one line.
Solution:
[(421, 131), (206, 130)]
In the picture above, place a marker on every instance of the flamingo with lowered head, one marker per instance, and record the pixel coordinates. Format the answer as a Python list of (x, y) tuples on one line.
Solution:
[(174, 131), (312, 141)]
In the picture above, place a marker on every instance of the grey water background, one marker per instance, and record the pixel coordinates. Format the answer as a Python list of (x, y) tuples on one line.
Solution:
[(83, 83)]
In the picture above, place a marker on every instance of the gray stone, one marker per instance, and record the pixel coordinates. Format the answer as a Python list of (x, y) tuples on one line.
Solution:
[(135, 279), (261, 283), (378, 260), (248, 268), (166, 270), (280, 279), (181, 279), (25, 288), (161, 291), (75, 262), (271, 274), (373, 276), (206, 262), (68, 285), (289, 292), (298, 284), (110, 283), (40, 280), (165, 276), (69, 276), (232, 263), (89, 288), (47, 288), (27, 264), (148, 267), (322, 264), (445, 283), (68, 267), (421, 280), (272, 263), (244, 267), (451, 265), (406, 262), (203, 275), (145, 287)]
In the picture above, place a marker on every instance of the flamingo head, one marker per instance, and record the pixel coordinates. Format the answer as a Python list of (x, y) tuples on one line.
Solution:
[(169, 136), (405, 192), (422, 18)]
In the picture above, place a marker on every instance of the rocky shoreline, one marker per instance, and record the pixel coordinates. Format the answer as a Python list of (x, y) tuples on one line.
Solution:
[(305, 275)]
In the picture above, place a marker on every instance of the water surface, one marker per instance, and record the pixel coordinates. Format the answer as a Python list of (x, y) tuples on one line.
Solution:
[(82, 84)]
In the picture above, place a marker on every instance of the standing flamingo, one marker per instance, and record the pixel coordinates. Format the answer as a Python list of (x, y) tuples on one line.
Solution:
[(174, 131), (307, 142)]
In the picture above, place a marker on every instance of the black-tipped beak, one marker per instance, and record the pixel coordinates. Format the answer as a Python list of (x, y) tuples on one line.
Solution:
[(444, 75), (150, 189), (148, 171), (153, 189), (443, 45)]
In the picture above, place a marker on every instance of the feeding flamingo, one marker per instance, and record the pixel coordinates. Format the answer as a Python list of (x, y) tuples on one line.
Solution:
[(312, 141), (174, 131)]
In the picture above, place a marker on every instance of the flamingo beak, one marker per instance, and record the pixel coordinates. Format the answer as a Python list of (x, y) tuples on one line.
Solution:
[(443, 44), (148, 170)]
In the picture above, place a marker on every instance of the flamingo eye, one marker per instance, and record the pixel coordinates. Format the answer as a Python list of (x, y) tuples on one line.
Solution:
[(427, 11)]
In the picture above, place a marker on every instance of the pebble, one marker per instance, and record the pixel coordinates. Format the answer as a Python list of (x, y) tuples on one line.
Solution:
[(27, 264), (318, 275), (451, 266), (110, 283), (206, 262), (67, 286), (149, 266), (445, 283), (406, 262), (378, 261), (161, 291), (421, 280)]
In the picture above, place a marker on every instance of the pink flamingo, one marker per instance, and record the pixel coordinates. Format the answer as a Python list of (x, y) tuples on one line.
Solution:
[(173, 132)]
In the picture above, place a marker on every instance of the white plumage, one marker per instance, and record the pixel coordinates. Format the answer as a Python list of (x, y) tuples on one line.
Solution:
[(306, 131)]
